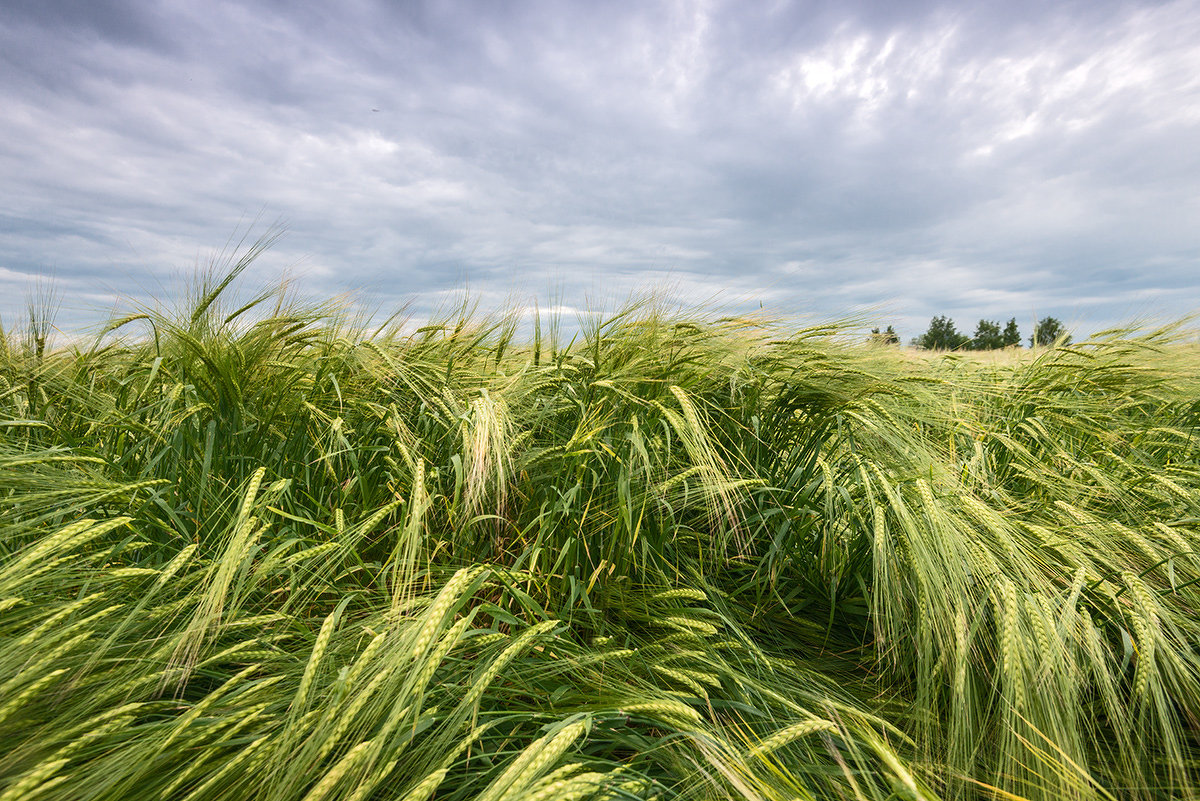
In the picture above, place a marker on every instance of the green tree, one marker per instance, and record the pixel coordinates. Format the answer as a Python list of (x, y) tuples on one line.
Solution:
[(941, 335), (1011, 335), (888, 337), (1048, 331), (987, 336)]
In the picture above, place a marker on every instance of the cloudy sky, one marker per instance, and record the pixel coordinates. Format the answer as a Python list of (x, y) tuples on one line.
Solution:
[(897, 160)]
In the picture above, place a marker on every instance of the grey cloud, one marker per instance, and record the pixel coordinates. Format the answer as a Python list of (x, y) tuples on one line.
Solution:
[(926, 158)]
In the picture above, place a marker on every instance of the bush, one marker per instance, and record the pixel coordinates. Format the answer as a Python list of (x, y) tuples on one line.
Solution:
[(1049, 331), (941, 335)]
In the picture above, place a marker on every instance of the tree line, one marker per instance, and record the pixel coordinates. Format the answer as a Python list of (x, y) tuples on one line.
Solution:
[(943, 335)]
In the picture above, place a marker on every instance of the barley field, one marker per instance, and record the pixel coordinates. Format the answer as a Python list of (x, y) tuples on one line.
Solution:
[(254, 548)]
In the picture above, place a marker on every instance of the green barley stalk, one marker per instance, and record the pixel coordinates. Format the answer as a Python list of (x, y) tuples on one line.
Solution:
[(790, 734), (532, 762)]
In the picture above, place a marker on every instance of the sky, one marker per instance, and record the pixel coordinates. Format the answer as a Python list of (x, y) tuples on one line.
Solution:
[(883, 160)]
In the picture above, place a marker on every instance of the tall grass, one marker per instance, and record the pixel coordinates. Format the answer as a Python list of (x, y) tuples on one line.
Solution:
[(260, 549)]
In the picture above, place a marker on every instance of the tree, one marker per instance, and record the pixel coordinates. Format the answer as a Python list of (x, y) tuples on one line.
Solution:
[(987, 336), (941, 335), (1011, 335), (1048, 330), (888, 337)]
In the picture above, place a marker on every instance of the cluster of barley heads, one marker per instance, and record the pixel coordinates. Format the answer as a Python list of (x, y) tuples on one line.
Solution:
[(260, 549)]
